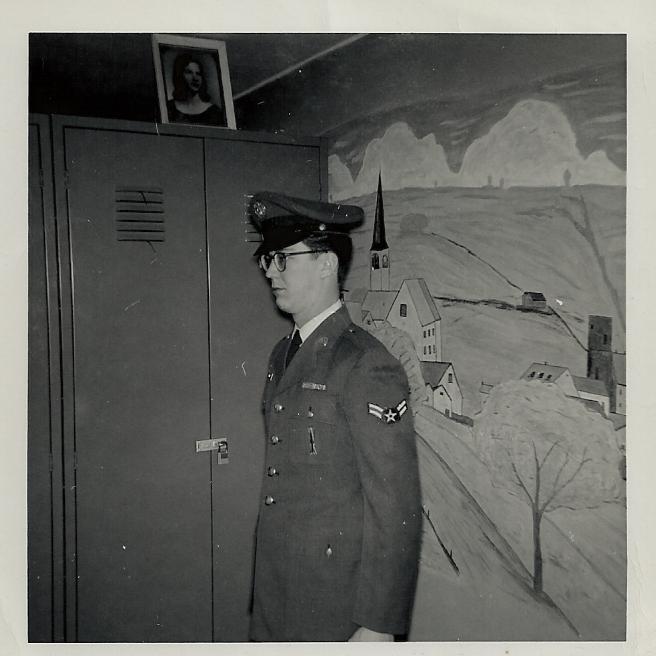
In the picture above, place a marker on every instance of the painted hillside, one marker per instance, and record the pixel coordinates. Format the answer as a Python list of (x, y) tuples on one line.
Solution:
[(475, 579), (487, 533), (492, 190), (479, 249)]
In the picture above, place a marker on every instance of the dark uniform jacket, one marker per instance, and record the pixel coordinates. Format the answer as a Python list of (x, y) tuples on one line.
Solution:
[(339, 526)]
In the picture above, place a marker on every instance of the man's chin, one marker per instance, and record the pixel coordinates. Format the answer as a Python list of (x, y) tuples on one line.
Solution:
[(281, 303)]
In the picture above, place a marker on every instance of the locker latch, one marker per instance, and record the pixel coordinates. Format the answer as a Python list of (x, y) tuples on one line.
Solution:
[(217, 444)]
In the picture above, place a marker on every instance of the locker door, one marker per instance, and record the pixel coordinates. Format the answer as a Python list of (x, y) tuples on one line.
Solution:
[(41, 580), (244, 327), (142, 496)]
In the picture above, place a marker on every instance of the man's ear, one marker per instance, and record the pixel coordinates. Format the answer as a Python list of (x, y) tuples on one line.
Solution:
[(330, 264)]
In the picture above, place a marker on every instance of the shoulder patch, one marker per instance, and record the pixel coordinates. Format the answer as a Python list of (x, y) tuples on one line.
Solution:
[(388, 415)]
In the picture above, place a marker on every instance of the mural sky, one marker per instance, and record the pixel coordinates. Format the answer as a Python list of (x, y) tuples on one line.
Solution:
[(529, 134)]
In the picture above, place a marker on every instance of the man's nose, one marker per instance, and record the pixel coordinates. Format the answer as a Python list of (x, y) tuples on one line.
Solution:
[(271, 270)]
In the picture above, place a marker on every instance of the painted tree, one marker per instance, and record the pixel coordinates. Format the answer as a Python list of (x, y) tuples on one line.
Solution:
[(549, 449)]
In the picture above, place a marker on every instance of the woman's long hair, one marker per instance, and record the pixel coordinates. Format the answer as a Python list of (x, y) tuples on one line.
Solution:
[(180, 88)]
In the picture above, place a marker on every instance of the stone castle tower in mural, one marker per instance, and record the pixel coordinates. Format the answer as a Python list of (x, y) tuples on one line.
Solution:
[(379, 271), (600, 354)]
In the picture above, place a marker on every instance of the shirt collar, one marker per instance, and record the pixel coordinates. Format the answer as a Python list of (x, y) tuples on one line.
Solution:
[(308, 328)]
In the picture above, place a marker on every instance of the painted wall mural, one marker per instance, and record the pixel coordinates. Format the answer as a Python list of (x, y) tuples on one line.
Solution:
[(532, 146), (492, 264)]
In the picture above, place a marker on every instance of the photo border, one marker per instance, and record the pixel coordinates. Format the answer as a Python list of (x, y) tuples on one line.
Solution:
[(196, 43)]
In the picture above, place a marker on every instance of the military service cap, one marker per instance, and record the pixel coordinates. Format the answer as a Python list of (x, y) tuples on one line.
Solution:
[(285, 220)]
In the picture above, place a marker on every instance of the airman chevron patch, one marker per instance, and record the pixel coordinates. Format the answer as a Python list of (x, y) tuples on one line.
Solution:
[(388, 415)]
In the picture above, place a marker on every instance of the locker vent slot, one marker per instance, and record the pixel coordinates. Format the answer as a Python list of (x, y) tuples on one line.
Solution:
[(251, 235), (139, 214)]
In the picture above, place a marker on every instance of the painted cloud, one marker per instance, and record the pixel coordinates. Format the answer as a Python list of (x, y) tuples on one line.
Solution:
[(532, 145)]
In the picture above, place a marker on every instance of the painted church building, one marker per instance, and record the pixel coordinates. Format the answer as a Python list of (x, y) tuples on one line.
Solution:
[(415, 312)]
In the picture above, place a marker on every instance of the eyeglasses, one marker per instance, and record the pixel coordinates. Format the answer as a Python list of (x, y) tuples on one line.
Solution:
[(279, 258)]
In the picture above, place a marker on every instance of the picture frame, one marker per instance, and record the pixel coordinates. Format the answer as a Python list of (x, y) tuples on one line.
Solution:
[(193, 81)]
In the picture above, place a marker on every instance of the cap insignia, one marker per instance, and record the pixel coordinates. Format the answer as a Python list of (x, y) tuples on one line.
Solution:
[(260, 209)]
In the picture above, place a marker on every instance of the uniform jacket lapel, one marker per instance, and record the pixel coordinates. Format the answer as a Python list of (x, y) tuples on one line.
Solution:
[(317, 346)]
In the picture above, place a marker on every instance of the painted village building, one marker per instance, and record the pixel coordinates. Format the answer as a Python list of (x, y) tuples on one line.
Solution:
[(604, 365), (549, 373), (411, 309), (619, 368), (534, 301), (592, 392), (442, 387), (414, 311), (379, 257), (604, 387)]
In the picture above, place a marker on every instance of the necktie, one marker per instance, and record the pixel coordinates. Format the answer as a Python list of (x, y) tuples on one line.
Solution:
[(293, 347)]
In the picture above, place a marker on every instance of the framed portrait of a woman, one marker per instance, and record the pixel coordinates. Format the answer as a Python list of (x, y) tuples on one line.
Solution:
[(193, 81)]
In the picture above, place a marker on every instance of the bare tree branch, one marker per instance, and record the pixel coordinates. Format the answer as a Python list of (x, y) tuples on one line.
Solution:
[(519, 478), (558, 475), (537, 474), (548, 453), (568, 481)]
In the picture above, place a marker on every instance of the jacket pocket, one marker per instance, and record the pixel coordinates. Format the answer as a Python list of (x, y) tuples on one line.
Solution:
[(316, 430)]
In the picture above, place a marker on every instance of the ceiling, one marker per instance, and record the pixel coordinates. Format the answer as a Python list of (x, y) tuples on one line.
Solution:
[(256, 58), (73, 72)]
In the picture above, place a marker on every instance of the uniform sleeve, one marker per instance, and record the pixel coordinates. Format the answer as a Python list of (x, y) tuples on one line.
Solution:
[(376, 403)]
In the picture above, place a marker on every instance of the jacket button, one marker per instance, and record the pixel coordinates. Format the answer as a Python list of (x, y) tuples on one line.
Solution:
[(278, 407), (272, 471), (275, 439), (268, 500)]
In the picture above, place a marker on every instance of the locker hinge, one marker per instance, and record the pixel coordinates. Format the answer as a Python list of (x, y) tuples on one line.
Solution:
[(42, 179), (51, 462), (75, 460), (67, 180)]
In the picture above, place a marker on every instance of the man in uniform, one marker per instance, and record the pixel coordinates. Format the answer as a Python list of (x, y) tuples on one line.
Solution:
[(339, 527)]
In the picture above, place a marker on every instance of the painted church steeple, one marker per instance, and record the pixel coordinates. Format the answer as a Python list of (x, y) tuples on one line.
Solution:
[(379, 272)]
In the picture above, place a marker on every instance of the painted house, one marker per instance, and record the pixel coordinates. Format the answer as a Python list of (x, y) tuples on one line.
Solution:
[(485, 389), (549, 373), (414, 311), (411, 309), (534, 301), (376, 307), (442, 387), (619, 366), (593, 390)]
